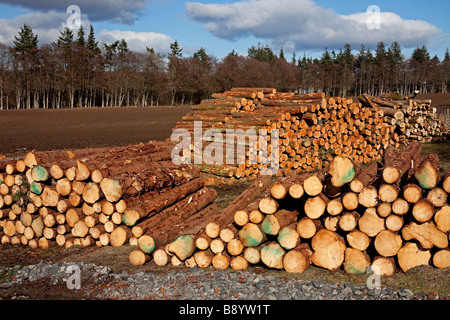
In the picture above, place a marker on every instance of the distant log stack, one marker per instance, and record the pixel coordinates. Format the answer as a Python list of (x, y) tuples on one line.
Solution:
[(412, 120), (313, 129), (96, 196), (392, 222)]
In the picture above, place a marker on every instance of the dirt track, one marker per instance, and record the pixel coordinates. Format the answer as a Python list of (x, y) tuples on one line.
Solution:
[(24, 130)]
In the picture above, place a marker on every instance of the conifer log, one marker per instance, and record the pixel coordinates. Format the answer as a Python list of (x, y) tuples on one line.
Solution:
[(138, 258), (370, 223), (119, 236), (238, 263), (160, 257), (427, 173), (437, 197), (221, 261), (235, 247), (383, 266), (315, 206), (350, 201), (348, 221), (288, 237), (400, 206), (251, 235), (368, 197), (252, 254), (146, 244), (394, 223), (441, 259), (335, 206), (423, 210), (426, 233), (272, 255), (342, 171), (356, 261), (442, 218), (329, 249), (396, 163), (308, 227), (412, 193), (203, 258), (148, 208), (298, 259), (272, 223), (364, 178), (410, 256), (183, 246), (446, 182), (358, 240), (387, 243), (384, 209), (268, 205)]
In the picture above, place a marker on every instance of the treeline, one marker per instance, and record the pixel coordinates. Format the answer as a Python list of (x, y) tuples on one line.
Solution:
[(75, 71)]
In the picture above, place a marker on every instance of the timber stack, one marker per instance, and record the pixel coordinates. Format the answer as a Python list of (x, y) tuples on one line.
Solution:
[(312, 129), (391, 216), (412, 119), (95, 196)]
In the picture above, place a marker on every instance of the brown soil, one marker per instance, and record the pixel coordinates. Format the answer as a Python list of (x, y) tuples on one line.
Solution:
[(25, 130)]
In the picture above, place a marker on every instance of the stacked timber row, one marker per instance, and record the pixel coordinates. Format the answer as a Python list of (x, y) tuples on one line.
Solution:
[(391, 218), (412, 120), (93, 196), (312, 130)]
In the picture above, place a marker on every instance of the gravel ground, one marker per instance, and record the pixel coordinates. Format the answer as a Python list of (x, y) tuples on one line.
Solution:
[(100, 283)]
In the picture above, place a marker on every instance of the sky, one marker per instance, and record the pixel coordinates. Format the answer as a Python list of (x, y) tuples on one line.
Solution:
[(305, 27)]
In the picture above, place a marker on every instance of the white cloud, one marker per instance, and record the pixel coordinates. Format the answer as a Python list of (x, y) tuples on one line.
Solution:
[(46, 25), (120, 11), (137, 41), (302, 24), (49, 24)]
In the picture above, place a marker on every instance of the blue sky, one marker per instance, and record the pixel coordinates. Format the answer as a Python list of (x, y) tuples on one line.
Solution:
[(301, 26)]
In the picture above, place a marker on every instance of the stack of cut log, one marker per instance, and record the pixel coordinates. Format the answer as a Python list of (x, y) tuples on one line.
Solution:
[(94, 196), (312, 130), (412, 120), (390, 218)]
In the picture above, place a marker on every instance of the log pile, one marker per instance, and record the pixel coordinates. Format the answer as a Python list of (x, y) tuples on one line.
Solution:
[(412, 119), (312, 130), (95, 196), (391, 217)]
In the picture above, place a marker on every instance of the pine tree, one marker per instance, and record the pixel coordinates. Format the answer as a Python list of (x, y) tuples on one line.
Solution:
[(264, 54), (326, 58), (380, 52), (447, 55), (421, 54), (200, 55), (26, 39), (91, 43), (347, 56), (394, 54), (282, 54), (65, 39), (122, 46), (175, 50), (80, 37)]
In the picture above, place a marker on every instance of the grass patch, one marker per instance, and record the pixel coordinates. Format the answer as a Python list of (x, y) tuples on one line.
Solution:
[(7, 275)]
